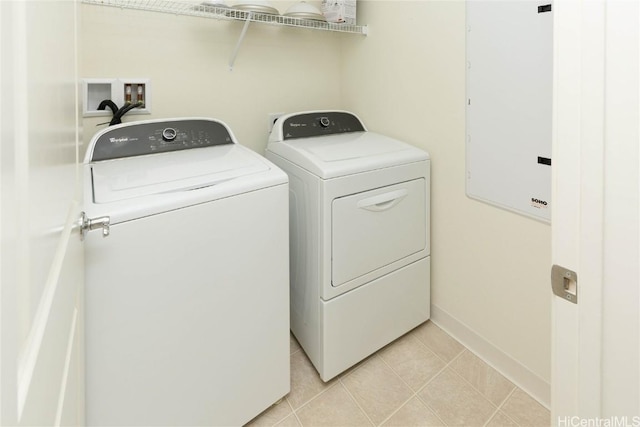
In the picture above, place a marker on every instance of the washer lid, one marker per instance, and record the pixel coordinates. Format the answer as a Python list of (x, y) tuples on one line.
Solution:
[(342, 154), (174, 172)]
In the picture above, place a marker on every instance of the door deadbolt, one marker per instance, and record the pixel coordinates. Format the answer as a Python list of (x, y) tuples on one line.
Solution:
[(564, 283)]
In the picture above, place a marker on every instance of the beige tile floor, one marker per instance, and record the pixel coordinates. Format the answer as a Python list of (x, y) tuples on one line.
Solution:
[(425, 378)]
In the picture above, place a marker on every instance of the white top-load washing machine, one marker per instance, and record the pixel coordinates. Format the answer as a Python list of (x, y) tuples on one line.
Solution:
[(359, 233), (187, 295)]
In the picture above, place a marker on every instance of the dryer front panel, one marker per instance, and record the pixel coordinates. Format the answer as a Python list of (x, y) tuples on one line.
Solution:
[(376, 228)]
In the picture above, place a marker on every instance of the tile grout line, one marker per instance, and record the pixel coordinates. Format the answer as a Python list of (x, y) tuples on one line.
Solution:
[(288, 414), (475, 388), (444, 368), (433, 377), (353, 399), (446, 362), (498, 406), (415, 392), (293, 411), (449, 364), (403, 403), (502, 405), (338, 381), (295, 414), (491, 417), (446, 365), (298, 350), (306, 402), (513, 390)]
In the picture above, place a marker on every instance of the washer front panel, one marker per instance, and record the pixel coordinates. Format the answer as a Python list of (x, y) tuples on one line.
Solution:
[(177, 326)]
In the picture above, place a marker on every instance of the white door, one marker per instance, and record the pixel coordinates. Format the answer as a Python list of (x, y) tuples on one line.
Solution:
[(595, 343), (41, 255)]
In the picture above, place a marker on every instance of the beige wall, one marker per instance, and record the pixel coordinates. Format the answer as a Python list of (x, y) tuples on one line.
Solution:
[(186, 58), (490, 267), (406, 79)]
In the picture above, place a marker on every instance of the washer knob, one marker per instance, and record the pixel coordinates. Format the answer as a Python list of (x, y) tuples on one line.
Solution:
[(324, 122), (169, 134)]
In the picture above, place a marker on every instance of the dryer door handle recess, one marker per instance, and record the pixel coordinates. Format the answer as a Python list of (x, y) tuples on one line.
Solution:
[(382, 202)]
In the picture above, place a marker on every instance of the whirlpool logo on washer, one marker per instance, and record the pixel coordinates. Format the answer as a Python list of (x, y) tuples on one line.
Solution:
[(122, 140), (538, 203)]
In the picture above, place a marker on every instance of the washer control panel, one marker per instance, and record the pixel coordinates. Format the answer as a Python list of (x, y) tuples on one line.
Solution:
[(137, 139), (320, 123)]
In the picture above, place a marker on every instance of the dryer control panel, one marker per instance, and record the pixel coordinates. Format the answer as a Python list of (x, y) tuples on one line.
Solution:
[(320, 123), (137, 139)]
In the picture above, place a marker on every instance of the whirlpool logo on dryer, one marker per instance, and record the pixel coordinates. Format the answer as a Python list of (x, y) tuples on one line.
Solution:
[(538, 203)]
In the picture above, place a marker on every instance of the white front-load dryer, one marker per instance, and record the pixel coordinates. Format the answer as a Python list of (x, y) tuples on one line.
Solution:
[(359, 235), (187, 295)]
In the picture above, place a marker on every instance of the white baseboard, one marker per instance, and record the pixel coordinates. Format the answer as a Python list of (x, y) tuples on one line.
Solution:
[(513, 370)]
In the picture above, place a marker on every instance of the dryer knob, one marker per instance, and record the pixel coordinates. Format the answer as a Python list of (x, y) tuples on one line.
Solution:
[(324, 122)]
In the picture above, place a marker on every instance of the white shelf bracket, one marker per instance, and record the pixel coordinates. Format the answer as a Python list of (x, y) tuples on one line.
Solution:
[(232, 60)]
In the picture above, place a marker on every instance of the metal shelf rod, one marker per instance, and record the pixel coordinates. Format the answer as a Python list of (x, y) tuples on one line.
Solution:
[(232, 60)]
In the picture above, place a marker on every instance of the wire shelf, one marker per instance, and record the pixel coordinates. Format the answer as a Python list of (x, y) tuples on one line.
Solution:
[(223, 13)]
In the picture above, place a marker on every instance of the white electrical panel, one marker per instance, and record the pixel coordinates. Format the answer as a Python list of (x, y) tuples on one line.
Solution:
[(509, 104)]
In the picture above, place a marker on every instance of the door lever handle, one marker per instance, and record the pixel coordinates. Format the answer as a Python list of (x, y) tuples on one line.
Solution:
[(88, 224)]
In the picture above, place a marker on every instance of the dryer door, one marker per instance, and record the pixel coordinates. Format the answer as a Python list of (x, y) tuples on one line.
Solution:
[(376, 228)]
